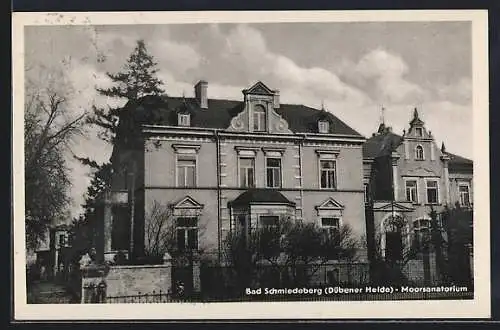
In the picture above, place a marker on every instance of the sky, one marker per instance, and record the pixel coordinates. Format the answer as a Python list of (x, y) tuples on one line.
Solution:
[(353, 69)]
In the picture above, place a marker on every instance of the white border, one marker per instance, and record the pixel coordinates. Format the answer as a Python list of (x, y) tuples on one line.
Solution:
[(477, 308)]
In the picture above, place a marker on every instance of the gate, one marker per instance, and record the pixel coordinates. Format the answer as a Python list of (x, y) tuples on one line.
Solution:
[(182, 281)]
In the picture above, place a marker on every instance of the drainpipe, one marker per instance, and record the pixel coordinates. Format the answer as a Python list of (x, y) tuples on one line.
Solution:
[(301, 170), (219, 225)]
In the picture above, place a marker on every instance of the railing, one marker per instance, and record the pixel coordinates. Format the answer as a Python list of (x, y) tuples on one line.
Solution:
[(142, 298)]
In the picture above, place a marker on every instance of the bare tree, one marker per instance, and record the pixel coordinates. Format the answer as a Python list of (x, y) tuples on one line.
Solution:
[(301, 247), (162, 233), (159, 230), (49, 128)]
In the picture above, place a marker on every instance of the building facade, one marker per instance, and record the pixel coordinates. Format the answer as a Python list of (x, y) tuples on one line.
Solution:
[(406, 177), (50, 258), (223, 165)]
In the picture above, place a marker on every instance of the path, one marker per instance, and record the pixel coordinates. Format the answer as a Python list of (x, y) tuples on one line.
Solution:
[(47, 292)]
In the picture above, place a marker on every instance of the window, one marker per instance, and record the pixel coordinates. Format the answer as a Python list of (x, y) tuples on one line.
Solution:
[(330, 223), (186, 171), (259, 119), (463, 190), (184, 120), (187, 233), (411, 191), (327, 175), (273, 171), (422, 230), (323, 126), (247, 170), (270, 221), (419, 153), (419, 131), (432, 192), (62, 240)]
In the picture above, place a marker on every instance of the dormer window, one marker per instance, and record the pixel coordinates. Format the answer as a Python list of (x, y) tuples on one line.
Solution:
[(419, 131), (323, 126), (184, 119), (259, 119)]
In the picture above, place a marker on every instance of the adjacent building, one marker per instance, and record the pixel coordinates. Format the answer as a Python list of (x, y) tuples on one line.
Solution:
[(50, 257), (406, 177)]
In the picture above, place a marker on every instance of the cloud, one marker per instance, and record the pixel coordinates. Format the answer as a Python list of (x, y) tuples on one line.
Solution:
[(246, 50), (383, 76), (459, 92)]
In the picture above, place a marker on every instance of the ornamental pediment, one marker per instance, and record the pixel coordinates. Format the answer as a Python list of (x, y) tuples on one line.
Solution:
[(260, 89), (421, 171), (392, 206), (187, 203), (330, 204)]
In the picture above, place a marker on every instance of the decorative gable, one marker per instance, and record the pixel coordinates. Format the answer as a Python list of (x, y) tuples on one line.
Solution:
[(390, 207), (421, 172), (188, 203), (330, 207), (259, 88), (330, 204), (259, 115)]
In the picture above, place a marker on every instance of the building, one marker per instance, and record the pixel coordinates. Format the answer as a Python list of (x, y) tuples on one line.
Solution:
[(406, 177), (50, 257), (223, 165)]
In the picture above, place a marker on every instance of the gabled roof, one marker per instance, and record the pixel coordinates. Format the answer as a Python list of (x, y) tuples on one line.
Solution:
[(459, 164), (458, 160), (381, 144), (300, 118), (260, 196)]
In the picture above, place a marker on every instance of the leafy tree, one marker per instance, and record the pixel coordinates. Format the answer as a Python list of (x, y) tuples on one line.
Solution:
[(457, 222), (137, 80), (48, 132), (85, 228)]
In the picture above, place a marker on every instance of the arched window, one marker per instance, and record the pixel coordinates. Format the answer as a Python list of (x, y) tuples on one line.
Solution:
[(259, 119), (419, 153)]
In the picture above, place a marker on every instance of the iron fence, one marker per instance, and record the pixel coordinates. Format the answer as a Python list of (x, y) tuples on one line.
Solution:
[(142, 298)]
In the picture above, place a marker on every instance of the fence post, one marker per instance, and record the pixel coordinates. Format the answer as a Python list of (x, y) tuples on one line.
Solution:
[(101, 292), (167, 261), (196, 276)]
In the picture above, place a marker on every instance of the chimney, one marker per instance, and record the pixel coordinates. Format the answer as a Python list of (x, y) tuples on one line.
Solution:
[(276, 99), (200, 92)]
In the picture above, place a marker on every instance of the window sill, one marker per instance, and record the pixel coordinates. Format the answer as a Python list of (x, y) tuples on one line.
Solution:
[(432, 204)]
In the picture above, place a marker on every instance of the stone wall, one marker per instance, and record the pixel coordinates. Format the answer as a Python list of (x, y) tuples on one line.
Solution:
[(132, 280), (123, 280)]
